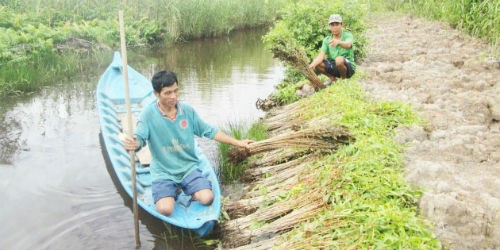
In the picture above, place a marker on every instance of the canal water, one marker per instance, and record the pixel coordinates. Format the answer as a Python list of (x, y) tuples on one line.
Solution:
[(57, 191)]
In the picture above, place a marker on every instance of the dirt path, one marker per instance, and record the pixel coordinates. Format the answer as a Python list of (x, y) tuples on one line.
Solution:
[(455, 159)]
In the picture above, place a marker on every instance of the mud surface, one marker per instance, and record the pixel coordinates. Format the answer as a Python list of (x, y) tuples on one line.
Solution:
[(451, 80)]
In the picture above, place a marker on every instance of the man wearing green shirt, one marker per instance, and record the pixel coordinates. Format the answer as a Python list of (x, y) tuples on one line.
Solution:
[(336, 57), (169, 127)]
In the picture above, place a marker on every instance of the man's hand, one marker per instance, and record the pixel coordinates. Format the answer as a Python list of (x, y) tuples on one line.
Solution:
[(129, 143), (245, 143), (334, 42)]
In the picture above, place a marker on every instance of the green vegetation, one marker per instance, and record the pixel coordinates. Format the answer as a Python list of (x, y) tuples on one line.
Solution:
[(228, 171), (34, 34), (479, 18)]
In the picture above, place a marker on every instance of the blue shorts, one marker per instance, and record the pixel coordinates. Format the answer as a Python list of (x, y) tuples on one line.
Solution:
[(193, 183), (331, 68)]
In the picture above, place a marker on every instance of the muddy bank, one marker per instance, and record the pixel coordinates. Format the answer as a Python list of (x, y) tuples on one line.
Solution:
[(451, 82)]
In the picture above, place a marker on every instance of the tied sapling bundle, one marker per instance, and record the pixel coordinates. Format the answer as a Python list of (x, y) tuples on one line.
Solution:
[(284, 47), (312, 138)]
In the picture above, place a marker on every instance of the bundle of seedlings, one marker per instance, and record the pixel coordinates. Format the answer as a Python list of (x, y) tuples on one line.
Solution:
[(285, 48), (287, 115), (270, 243), (261, 196), (298, 124), (290, 125), (278, 218), (283, 110), (270, 162), (252, 174), (259, 189), (268, 214), (276, 156), (312, 138), (237, 209), (283, 180)]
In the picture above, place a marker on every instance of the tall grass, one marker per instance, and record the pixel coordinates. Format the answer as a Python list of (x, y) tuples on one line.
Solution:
[(180, 19), (479, 18), (30, 30)]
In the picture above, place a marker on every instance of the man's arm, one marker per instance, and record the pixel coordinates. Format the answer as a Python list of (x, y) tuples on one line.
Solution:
[(317, 60), (223, 138), (344, 44)]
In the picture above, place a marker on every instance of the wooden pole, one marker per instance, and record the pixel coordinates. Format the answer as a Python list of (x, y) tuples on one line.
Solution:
[(129, 122)]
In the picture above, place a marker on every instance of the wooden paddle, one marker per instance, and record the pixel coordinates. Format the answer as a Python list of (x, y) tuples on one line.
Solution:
[(130, 130)]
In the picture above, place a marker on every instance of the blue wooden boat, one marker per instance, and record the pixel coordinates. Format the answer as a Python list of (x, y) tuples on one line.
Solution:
[(111, 107)]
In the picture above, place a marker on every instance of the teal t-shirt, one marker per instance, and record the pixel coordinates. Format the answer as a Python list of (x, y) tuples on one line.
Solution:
[(171, 142), (333, 52)]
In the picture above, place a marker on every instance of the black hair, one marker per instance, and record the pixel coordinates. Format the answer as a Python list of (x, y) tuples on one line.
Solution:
[(164, 78)]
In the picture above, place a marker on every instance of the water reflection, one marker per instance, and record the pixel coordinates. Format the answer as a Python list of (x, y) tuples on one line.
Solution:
[(57, 192)]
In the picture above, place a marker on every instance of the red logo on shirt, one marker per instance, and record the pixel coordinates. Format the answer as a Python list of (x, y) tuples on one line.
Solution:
[(184, 123)]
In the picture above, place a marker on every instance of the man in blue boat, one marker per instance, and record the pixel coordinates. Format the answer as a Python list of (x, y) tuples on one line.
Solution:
[(336, 56), (169, 126)]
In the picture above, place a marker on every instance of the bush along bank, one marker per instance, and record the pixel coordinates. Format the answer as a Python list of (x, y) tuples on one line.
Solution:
[(36, 37)]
